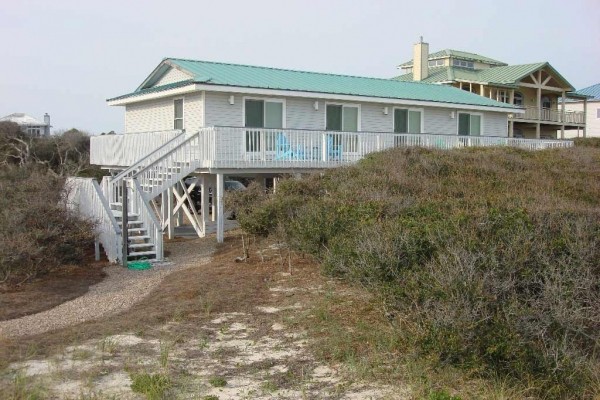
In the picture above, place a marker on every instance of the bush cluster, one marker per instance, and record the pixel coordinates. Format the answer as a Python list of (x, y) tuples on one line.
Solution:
[(37, 231), (490, 258)]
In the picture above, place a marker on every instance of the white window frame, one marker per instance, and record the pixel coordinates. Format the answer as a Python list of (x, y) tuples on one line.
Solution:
[(263, 145), (522, 99), (463, 63), (502, 96), (182, 112), (349, 135), (435, 63), (333, 103), (481, 130), (421, 110)]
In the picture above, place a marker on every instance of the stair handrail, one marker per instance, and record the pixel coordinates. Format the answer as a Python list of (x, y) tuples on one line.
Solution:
[(121, 175), (109, 232), (149, 218), (152, 164)]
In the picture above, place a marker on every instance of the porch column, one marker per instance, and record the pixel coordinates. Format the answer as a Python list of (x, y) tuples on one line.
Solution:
[(562, 114), (482, 90), (511, 97), (511, 128), (219, 201), (539, 103), (537, 130)]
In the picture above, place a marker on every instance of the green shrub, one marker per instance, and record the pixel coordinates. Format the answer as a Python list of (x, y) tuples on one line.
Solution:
[(491, 256), (152, 386), (37, 231)]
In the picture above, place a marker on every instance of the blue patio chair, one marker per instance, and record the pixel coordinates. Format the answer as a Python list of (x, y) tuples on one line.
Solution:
[(334, 150), (284, 151)]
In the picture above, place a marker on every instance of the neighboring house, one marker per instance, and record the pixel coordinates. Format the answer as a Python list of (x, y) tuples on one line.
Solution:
[(213, 119), (29, 124), (591, 107), (537, 87)]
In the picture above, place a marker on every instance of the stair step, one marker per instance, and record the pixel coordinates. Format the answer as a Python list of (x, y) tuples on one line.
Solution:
[(119, 222), (119, 214), (138, 237), (141, 253), (137, 230), (139, 245)]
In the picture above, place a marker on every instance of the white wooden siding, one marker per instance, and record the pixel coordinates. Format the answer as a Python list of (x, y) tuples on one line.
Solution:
[(220, 113), (171, 76), (154, 115), (158, 115), (192, 113), (495, 124), (300, 114), (374, 120), (440, 121)]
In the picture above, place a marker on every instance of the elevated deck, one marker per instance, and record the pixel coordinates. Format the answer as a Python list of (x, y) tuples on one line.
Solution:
[(235, 148)]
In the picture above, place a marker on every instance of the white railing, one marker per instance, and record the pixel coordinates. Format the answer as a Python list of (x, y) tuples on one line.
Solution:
[(85, 197), (141, 206), (165, 171), (125, 149), (113, 191), (234, 147), (230, 147), (551, 115)]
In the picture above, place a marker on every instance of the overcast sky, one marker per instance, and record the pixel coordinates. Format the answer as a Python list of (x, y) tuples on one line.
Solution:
[(67, 57)]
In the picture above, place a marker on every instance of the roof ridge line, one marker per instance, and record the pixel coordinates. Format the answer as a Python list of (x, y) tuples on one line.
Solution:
[(290, 70)]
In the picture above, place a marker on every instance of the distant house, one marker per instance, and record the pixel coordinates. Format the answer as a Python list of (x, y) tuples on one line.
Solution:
[(537, 87), (29, 124), (591, 108)]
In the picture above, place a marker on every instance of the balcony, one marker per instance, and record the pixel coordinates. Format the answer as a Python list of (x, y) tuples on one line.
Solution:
[(277, 149), (551, 115)]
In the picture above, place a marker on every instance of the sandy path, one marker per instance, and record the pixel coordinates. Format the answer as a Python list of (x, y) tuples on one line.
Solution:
[(120, 290)]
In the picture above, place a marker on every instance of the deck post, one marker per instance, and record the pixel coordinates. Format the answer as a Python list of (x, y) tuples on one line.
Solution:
[(219, 201), (170, 224), (203, 201), (125, 223), (584, 117)]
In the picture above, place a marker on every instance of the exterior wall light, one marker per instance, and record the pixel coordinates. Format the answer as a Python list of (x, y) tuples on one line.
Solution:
[(231, 100), (316, 106), (385, 111)]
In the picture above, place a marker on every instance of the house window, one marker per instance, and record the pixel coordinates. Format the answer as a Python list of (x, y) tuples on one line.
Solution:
[(546, 103), (435, 63), (518, 99), (503, 96), (469, 124), (262, 114), (407, 121), (463, 63), (178, 114), (597, 112), (343, 118)]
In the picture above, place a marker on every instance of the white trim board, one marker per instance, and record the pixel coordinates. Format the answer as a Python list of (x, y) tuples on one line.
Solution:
[(310, 95)]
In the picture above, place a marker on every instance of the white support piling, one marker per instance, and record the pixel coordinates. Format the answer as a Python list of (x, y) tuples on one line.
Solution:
[(219, 201)]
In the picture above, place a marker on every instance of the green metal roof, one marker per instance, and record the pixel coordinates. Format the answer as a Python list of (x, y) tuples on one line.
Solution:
[(463, 55), (508, 75), (590, 91), (235, 75)]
